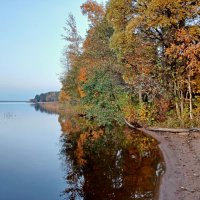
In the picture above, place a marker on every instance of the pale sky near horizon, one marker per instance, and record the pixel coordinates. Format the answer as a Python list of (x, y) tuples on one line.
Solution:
[(31, 45)]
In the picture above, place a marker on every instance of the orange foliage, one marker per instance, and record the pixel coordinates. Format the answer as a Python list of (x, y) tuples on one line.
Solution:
[(67, 126), (97, 134), (82, 78), (87, 43), (162, 106), (93, 10), (63, 96), (186, 50), (80, 150)]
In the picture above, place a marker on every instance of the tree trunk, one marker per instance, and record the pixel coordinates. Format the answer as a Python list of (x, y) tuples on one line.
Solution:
[(182, 104), (178, 112), (190, 95), (175, 130), (140, 95)]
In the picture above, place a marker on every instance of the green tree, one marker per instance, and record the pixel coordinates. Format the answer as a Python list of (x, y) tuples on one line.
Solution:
[(101, 99)]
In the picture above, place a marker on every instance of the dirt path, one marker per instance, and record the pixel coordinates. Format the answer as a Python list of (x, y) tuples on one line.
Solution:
[(181, 152)]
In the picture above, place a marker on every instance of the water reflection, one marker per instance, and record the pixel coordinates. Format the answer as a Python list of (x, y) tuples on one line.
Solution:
[(119, 164), (7, 115), (29, 165), (125, 166), (43, 108)]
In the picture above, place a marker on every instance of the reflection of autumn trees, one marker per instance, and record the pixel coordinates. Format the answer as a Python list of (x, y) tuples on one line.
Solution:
[(102, 165), (50, 108)]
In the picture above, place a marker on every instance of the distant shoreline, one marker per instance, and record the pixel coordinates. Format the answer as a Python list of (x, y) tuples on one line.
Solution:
[(14, 101), (29, 102)]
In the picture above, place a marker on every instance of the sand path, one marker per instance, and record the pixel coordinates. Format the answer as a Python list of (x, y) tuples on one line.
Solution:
[(181, 152)]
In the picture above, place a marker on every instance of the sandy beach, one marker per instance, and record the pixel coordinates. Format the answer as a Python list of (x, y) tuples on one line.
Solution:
[(181, 152)]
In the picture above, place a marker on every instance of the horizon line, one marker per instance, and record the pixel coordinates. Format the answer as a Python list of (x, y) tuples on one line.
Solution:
[(1, 101)]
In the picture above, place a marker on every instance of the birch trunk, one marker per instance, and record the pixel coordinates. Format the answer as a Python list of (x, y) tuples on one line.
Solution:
[(140, 95), (190, 96)]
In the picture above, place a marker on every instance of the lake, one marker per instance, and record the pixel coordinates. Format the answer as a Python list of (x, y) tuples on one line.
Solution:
[(37, 162)]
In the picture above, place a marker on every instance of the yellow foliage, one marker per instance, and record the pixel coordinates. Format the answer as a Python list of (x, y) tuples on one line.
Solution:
[(82, 78), (142, 112), (129, 112)]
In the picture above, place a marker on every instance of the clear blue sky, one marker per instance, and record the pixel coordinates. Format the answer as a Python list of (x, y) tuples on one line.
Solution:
[(31, 45)]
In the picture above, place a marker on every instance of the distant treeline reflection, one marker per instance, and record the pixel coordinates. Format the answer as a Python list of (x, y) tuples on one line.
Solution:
[(50, 108)]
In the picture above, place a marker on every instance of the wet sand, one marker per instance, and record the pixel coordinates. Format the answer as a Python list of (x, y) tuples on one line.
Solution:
[(181, 152)]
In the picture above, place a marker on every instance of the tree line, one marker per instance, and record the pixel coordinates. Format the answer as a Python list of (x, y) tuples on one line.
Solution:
[(46, 97), (139, 62)]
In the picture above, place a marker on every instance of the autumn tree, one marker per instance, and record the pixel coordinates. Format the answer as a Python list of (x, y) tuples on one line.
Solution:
[(147, 48), (73, 39), (144, 30), (94, 11), (184, 54), (71, 56)]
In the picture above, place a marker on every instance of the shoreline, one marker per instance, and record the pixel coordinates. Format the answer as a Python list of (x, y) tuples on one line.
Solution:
[(181, 153)]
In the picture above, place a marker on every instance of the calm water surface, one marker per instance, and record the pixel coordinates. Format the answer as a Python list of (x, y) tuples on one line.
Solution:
[(30, 168), (36, 163)]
